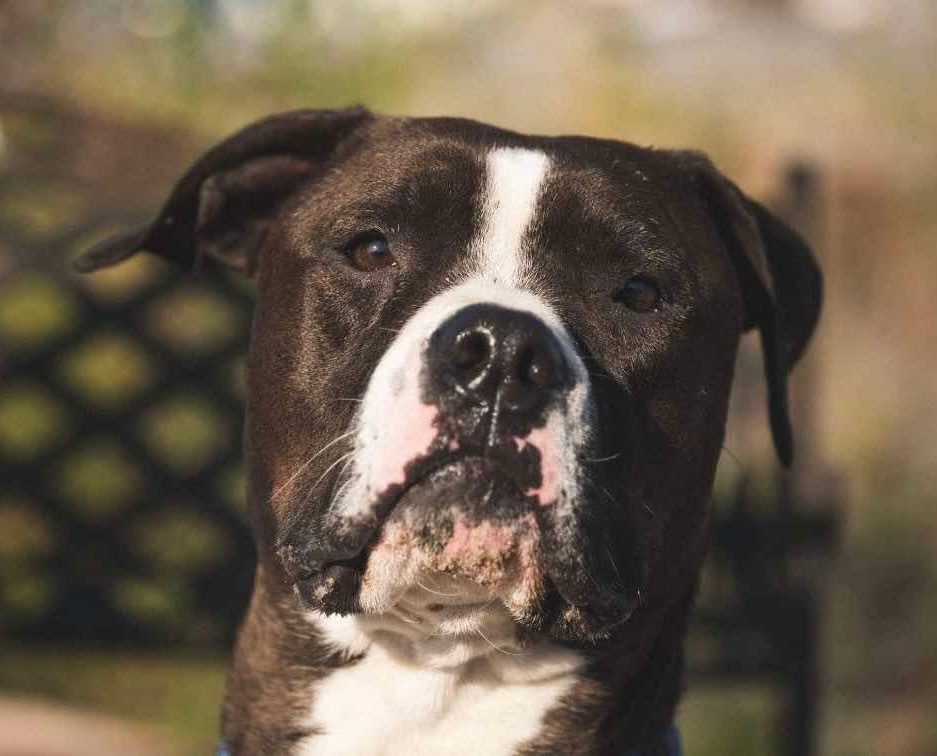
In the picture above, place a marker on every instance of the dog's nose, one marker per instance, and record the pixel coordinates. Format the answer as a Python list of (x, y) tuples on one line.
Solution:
[(488, 353)]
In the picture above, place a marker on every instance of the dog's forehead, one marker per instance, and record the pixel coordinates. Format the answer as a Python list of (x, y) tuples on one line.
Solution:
[(451, 173), (408, 148)]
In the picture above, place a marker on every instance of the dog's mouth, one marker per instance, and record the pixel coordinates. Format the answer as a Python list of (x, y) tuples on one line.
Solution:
[(457, 507), (467, 519), (468, 523)]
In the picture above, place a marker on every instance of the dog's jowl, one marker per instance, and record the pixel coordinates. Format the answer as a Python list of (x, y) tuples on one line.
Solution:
[(487, 390)]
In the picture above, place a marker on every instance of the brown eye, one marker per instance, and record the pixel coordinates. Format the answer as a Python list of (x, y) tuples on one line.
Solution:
[(369, 252), (640, 294)]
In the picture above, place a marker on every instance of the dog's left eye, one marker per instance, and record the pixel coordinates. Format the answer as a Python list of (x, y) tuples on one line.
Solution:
[(370, 251), (639, 294)]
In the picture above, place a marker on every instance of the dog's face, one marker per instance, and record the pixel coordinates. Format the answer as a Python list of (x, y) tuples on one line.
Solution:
[(525, 356), (486, 369)]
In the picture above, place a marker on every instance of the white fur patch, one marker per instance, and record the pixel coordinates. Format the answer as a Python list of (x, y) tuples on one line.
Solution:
[(392, 702), (515, 178)]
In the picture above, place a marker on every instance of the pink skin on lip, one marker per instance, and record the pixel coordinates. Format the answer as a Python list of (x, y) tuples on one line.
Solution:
[(542, 440), (492, 554), (417, 433), (480, 550), (484, 540)]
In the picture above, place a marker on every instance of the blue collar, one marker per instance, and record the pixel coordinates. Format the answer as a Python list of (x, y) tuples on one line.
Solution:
[(672, 742)]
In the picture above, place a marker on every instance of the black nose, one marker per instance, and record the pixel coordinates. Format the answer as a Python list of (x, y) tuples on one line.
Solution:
[(486, 353)]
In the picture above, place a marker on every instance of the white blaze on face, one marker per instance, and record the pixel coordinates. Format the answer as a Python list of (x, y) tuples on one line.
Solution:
[(395, 426), (515, 179)]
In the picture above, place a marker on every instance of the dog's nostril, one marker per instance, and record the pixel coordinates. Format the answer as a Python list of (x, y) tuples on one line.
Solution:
[(540, 365), (472, 352), (535, 369)]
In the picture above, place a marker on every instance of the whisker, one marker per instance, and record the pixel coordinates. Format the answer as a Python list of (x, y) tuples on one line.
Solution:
[(308, 462), (609, 458), (609, 495), (650, 511), (611, 560), (593, 580), (348, 461), (402, 618), (435, 593), (329, 469), (496, 648), (341, 489)]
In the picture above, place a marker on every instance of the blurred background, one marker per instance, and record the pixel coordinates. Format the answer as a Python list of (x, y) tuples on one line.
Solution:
[(124, 561)]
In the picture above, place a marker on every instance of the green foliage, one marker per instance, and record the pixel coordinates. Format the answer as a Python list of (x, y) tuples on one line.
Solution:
[(182, 696)]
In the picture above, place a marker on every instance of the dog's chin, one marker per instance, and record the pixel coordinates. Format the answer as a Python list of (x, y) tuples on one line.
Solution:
[(445, 622)]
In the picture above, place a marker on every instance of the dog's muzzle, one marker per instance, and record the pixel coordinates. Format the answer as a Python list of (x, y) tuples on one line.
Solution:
[(473, 477)]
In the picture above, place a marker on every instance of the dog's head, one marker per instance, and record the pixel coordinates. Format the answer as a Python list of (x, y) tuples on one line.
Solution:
[(485, 367)]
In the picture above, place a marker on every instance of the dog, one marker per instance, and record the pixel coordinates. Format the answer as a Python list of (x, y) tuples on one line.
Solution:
[(487, 388)]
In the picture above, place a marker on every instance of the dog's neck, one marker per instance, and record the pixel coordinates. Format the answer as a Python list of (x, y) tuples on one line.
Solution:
[(381, 685), (436, 693)]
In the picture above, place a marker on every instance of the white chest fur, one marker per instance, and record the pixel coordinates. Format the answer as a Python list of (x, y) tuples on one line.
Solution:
[(389, 703)]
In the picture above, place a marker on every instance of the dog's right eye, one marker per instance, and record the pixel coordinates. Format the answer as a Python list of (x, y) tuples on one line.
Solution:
[(370, 251), (640, 294)]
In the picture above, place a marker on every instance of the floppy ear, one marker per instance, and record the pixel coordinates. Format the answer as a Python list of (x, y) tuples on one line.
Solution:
[(782, 288), (220, 210)]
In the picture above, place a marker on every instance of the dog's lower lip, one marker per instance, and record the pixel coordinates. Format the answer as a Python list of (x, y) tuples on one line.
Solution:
[(327, 582), (384, 508)]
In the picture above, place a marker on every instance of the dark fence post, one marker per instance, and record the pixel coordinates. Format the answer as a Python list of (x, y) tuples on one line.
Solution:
[(763, 616), (811, 488)]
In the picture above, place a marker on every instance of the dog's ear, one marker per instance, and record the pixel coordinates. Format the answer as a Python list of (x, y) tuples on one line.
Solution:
[(781, 284), (221, 208)]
